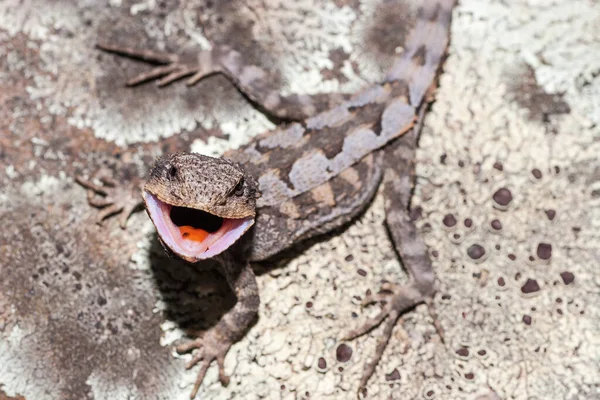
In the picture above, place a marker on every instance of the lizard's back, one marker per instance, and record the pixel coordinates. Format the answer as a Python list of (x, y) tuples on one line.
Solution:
[(316, 175)]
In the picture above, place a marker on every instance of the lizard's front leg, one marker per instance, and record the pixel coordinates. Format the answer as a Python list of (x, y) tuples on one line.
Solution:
[(215, 343), (112, 197)]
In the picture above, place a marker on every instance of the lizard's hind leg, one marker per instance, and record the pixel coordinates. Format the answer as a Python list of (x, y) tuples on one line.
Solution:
[(398, 181)]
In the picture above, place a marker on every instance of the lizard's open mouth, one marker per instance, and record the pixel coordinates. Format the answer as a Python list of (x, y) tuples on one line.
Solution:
[(194, 234)]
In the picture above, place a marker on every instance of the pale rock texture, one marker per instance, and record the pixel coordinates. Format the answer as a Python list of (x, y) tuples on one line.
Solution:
[(508, 194)]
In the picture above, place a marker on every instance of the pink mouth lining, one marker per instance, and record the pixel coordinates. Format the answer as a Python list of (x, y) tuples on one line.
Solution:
[(191, 250)]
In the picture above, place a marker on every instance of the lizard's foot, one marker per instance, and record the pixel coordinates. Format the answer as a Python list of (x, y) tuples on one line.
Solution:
[(211, 346), (170, 66), (396, 300), (112, 198)]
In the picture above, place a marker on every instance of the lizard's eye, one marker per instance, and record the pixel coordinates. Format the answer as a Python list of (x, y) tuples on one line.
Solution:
[(239, 188), (172, 172)]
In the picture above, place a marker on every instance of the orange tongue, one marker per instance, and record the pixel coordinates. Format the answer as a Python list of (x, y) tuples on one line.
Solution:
[(191, 233)]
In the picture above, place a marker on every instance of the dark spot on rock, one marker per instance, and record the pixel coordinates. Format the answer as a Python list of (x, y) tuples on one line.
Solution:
[(390, 24), (463, 351), (456, 236), (446, 297), (567, 278), (393, 376), (362, 272), (501, 281), (572, 178), (468, 222), (496, 225), (338, 57), (309, 304), (435, 253), (550, 214), (101, 301), (470, 375), (443, 158), (322, 363), (536, 173), (498, 165), (526, 319), (449, 220), (502, 197), (524, 89), (517, 276), (341, 369), (559, 300), (430, 393), (544, 251), (476, 252), (512, 257), (530, 286), (497, 247), (349, 258), (482, 352), (531, 258), (461, 163), (343, 353), (559, 311)]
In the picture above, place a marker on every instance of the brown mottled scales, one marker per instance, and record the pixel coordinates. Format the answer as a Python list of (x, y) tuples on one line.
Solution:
[(298, 181)]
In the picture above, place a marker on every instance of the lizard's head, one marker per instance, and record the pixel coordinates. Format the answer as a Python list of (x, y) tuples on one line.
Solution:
[(199, 205)]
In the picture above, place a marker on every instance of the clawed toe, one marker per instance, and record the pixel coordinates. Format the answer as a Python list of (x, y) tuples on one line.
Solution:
[(111, 199), (397, 300), (205, 356), (188, 346), (375, 298), (170, 68)]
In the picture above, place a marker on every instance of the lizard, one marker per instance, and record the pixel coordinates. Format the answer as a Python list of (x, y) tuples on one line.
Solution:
[(296, 182)]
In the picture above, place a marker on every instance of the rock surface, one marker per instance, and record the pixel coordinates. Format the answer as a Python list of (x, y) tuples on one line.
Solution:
[(508, 154)]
